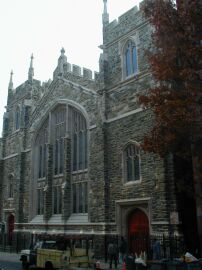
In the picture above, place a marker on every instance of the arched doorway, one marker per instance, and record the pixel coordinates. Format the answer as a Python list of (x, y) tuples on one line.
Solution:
[(11, 221), (138, 231)]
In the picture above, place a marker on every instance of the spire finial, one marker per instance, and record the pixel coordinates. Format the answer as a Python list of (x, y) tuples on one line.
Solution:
[(105, 15), (105, 6), (61, 61), (31, 69), (10, 86)]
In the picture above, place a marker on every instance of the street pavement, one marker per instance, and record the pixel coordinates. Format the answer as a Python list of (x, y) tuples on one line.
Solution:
[(9, 261), (8, 256)]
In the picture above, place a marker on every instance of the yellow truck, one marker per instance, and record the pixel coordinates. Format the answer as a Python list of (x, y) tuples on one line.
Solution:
[(50, 255), (67, 259)]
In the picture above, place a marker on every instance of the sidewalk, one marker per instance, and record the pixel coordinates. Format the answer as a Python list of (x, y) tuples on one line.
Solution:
[(105, 265), (13, 257)]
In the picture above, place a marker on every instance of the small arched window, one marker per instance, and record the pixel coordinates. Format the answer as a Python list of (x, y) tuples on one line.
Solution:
[(130, 59), (132, 163), (26, 115), (10, 186), (17, 118)]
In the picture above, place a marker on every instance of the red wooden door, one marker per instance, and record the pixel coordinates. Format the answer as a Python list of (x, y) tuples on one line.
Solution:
[(138, 231), (11, 221)]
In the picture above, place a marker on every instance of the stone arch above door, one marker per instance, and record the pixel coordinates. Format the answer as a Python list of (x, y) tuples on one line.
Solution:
[(125, 207)]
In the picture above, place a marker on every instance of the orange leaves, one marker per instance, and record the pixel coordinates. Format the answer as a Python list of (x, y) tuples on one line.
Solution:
[(175, 64)]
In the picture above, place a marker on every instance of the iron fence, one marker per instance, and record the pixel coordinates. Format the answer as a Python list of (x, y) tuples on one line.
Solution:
[(171, 246), (15, 242)]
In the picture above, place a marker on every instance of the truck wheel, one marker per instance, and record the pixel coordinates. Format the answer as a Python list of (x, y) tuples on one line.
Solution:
[(49, 266), (25, 265)]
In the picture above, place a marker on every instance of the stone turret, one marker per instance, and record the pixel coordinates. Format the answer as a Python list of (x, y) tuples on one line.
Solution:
[(10, 85), (105, 15), (31, 70), (10, 88), (62, 60), (62, 66)]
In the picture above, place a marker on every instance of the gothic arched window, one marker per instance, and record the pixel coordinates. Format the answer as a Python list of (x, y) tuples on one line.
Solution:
[(132, 162), (60, 142), (17, 118), (10, 186), (130, 59)]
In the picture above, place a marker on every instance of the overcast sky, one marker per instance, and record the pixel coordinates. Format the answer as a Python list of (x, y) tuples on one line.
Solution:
[(43, 27)]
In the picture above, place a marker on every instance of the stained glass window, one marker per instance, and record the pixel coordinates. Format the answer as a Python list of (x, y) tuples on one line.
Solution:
[(130, 56), (132, 162)]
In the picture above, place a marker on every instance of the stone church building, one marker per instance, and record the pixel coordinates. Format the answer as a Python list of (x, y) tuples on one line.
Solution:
[(71, 162)]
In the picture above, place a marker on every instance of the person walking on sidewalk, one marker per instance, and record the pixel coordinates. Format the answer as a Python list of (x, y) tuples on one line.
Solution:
[(113, 254), (122, 249)]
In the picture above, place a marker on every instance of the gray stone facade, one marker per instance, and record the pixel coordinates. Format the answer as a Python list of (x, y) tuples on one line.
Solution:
[(114, 119)]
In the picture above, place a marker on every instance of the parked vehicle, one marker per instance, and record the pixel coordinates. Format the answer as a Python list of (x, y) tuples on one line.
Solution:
[(57, 254), (29, 256)]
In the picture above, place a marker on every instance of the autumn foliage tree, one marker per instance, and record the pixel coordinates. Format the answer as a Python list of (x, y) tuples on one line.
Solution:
[(175, 63)]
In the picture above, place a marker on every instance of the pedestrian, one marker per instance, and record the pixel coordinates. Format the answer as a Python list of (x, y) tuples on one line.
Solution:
[(156, 250), (122, 249), (113, 254)]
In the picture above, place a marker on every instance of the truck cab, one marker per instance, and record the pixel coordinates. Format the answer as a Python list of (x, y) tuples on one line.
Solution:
[(29, 256)]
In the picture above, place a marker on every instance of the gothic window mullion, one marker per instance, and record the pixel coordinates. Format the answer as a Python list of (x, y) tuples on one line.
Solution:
[(58, 156), (74, 198), (80, 150), (134, 59), (61, 155), (133, 162), (54, 200), (38, 201), (85, 197), (55, 157), (131, 59), (85, 149), (77, 199), (60, 200), (41, 206), (80, 198), (45, 159), (40, 162), (77, 154), (75, 151)]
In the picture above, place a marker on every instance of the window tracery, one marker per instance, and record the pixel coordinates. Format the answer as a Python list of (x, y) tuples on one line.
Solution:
[(132, 163), (10, 186), (61, 121), (17, 118), (130, 58)]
